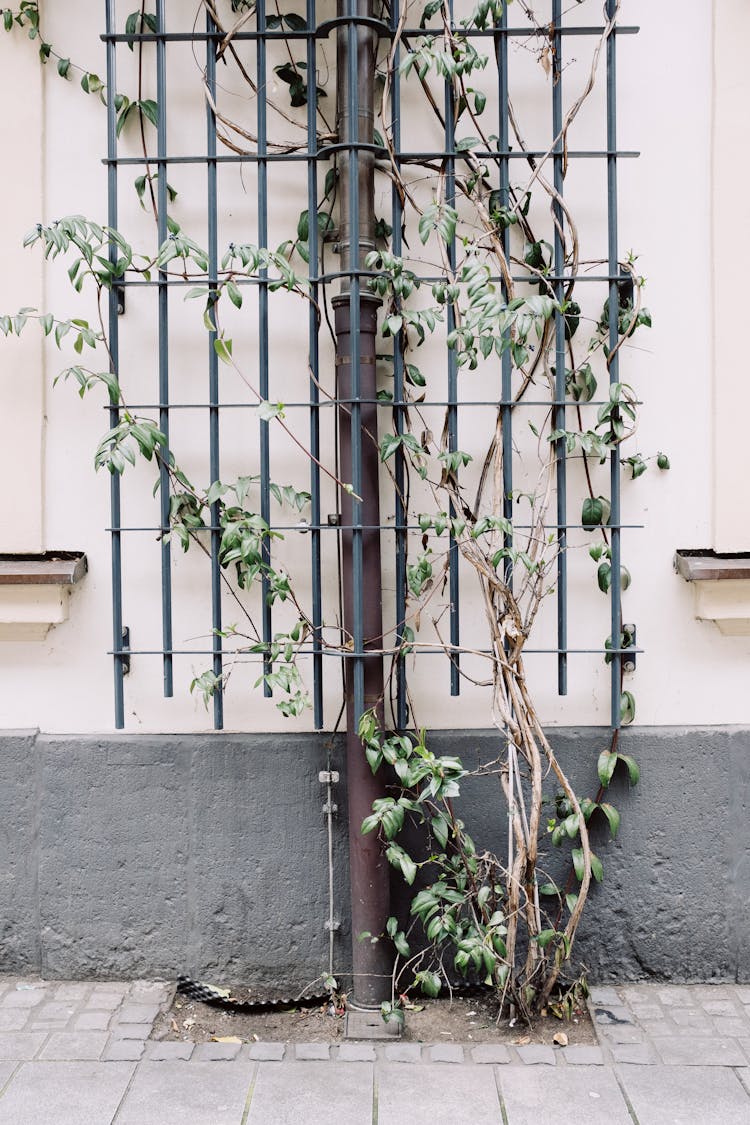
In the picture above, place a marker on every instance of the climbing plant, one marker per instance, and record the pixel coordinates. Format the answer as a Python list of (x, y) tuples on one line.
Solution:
[(497, 918)]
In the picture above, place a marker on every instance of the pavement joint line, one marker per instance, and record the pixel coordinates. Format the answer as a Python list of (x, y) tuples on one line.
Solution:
[(500, 1098), (12, 1075), (625, 1098), (374, 1096), (249, 1098), (125, 1093)]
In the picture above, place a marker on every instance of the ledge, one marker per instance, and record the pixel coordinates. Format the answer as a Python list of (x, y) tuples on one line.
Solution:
[(34, 592), (721, 588)]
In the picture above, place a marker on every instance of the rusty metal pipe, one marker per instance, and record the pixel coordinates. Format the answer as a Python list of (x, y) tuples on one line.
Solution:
[(356, 327)]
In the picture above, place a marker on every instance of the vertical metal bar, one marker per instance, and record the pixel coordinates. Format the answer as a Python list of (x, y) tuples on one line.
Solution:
[(114, 413), (506, 363), (164, 495), (265, 477), (213, 372), (614, 365), (398, 396), (559, 410), (356, 326), (453, 558), (314, 361)]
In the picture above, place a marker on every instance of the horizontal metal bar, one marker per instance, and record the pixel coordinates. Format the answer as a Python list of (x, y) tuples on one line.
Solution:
[(323, 29), (333, 275), (404, 157), (385, 403), (350, 654), (303, 528)]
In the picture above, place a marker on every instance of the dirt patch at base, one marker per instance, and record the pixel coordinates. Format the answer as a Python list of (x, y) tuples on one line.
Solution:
[(464, 1019)]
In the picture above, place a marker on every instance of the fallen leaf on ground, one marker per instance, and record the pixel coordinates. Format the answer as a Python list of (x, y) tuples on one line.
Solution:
[(174, 1026), (225, 1039), (523, 1041), (560, 1039)]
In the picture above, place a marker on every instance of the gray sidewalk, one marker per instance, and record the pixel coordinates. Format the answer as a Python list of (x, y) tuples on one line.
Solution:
[(79, 1054)]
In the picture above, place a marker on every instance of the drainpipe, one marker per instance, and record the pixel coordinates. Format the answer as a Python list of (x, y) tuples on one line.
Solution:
[(356, 326)]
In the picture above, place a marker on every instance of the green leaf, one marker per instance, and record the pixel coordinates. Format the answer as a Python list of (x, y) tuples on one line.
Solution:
[(613, 817), (223, 349), (595, 512), (606, 766), (544, 938), (632, 766), (150, 110), (662, 461), (627, 707), (596, 868), (234, 294), (578, 863)]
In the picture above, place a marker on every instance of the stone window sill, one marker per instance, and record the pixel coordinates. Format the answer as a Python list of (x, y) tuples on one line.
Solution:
[(34, 592), (721, 588)]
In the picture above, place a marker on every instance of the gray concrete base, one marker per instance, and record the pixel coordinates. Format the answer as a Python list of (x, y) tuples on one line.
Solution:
[(134, 856)]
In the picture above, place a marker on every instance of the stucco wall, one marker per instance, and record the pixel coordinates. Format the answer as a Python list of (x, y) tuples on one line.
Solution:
[(133, 856), (689, 673)]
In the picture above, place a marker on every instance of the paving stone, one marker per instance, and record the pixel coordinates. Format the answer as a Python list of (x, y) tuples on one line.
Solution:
[(745, 1044), (612, 1015), (655, 1028), (123, 1050), (742, 992), (216, 1052), (356, 1052), (92, 1021), (720, 1007), (647, 1011), (464, 1095), (52, 1013), (111, 988), (582, 1055), (312, 1051), (103, 1002), (65, 1093), (72, 990), (674, 997), (490, 1053), (680, 1095), (605, 997), (743, 1073), (201, 1093), (616, 1034), (446, 1053), (403, 1053), (690, 1017), (712, 991), (24, 999), (151, 991), (167, 1050), (78, 1046), (643, 993), (684, 1051), (269, 1052), (305, 1093), (724, 1025), (534, 1054), (590, 1093), (640, 1053), (20, 1045), (131, 1030), (138, 1013), (13, 1019)]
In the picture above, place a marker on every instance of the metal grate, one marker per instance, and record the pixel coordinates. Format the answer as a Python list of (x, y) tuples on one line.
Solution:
[(306, 164)]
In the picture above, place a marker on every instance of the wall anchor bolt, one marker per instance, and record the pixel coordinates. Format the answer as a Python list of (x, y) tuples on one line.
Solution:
[(328, 777)]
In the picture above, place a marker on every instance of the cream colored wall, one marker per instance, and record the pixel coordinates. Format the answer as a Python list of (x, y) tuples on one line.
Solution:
[(689, 673)]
